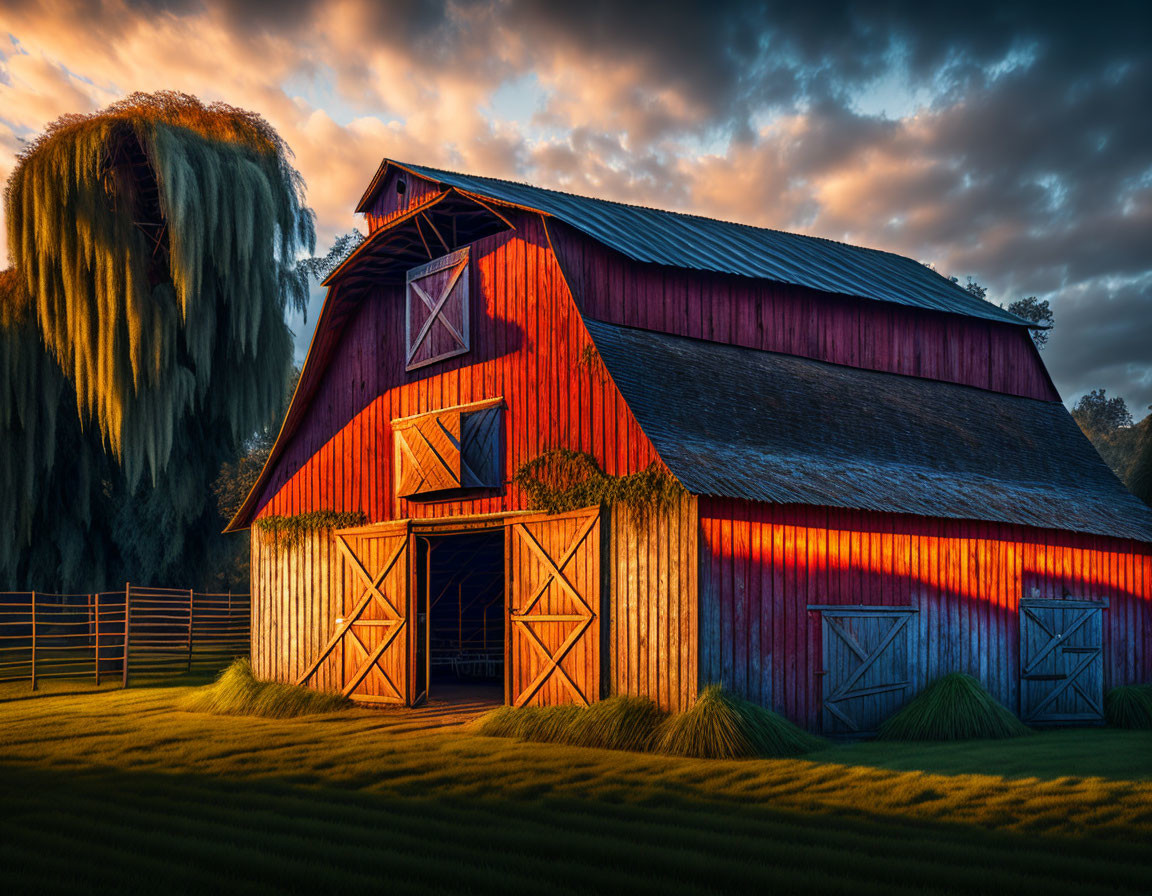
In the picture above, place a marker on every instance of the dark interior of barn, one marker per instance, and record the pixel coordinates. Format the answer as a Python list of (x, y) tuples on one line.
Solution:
[(460, 582)]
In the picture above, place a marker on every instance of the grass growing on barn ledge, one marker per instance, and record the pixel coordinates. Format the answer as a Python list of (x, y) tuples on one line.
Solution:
[(1129, 706), (562, 479), (289, 531), (237, 692), (953, 707)]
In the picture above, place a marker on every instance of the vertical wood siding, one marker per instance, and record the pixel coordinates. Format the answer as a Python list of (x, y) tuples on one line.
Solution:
[(297, 595), (796, 320), (389, 204), (527, 338), (762, 565), (650, 639)]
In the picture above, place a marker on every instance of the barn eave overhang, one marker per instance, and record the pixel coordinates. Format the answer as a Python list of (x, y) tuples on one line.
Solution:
[(441, 224)]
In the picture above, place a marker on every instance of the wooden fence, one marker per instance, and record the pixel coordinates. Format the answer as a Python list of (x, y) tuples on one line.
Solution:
[(133, 633)]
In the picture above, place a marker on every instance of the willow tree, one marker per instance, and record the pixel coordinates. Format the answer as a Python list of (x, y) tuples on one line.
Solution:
[(154, 249)]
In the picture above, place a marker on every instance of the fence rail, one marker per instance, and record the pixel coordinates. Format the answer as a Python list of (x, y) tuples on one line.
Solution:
[(139, 631)]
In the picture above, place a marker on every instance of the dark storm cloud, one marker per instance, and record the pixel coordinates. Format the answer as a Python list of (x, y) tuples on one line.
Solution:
[(1030, 168), (1119, 317), (1027, 163)]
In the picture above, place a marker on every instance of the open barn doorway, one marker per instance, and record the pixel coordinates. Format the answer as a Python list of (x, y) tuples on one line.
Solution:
[(460, 635)]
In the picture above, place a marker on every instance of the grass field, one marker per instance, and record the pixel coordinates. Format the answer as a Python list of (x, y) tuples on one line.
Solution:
[(119, 790)]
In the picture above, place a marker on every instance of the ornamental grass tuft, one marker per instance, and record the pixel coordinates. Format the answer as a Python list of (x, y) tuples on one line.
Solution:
[(718, 726), (723, 726), (953, 707), (617, 723), (237, 692), (1129, 706)]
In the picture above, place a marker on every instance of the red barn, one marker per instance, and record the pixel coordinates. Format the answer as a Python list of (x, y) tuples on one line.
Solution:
[(881, 483)]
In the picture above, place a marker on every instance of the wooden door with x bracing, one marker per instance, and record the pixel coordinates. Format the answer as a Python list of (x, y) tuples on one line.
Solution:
[(370, 641), (436, 310), (1061, 661), (867, 653), (553, 585)]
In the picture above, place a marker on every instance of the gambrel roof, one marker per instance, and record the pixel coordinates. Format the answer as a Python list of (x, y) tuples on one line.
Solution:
[(760, 426), (723, 247)]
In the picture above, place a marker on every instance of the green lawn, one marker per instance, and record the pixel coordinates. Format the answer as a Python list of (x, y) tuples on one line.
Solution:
[(118, 790)]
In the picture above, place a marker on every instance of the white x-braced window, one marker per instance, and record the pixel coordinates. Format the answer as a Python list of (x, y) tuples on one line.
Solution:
[(436, 313)]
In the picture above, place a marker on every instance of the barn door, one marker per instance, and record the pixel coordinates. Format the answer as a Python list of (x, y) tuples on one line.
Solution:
[(371, 638), (553, 586), (1061, 661), (867, 666)]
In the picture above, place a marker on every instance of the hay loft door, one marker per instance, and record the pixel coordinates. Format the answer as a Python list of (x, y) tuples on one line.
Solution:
[(553, 601), (1061, 661), (370, 642), (867, 656)]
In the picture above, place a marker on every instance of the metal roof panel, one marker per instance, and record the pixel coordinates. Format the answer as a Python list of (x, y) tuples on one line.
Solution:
[(690, 241)]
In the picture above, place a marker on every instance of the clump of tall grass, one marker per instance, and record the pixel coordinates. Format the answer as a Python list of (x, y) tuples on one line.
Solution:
[(237, 692), (719, 726), (953, 707), (723, 726), (1129, 706), (617, 723)]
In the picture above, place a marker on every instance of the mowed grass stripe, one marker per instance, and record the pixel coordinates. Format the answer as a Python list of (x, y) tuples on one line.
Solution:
[(367, 799), (718, 848)]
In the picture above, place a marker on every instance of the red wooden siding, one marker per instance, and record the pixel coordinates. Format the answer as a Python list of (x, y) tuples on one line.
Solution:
[(527, 338), (799, 321), (762, 565), (390, 204)]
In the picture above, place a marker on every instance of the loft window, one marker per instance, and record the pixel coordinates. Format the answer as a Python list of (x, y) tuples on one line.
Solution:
[(436, 310), (449, 451)]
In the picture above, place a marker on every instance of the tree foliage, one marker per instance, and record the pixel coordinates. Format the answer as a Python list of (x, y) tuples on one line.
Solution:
[(1099, 415), (1139, 478), (320, 266), (974, 288), (1128, 451), (142, 331), (236, 477), (1037, 312), (1030, 309)]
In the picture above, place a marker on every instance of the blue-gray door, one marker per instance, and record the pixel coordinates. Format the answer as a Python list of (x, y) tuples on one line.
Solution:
[(868, 662), (1061, 661)]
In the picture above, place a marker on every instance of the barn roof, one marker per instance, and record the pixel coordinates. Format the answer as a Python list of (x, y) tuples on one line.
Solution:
[(705, 244), (740, 423)]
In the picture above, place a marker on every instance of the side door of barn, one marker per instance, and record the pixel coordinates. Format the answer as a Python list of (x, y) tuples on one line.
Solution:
[(1061, 661), (370, 641), (553, 581), (867, 654)]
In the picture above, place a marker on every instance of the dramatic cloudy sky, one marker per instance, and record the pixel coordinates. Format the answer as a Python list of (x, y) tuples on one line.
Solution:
[(1009, 144)]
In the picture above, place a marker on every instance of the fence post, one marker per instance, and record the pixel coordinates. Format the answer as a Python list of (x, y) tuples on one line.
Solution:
[(96, 613), (127, 625), (33, 639), (191, 599)]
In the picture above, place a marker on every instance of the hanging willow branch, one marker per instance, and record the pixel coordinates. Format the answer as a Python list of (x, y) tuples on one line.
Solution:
[(142, 330), (157, 242)]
